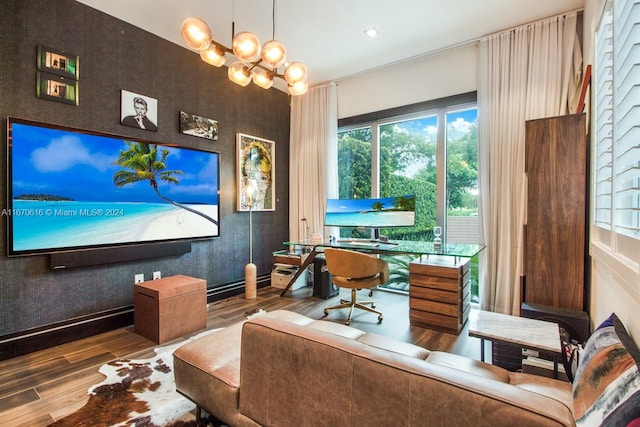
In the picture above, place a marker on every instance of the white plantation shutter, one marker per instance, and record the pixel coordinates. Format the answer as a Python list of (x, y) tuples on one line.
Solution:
[(617, 119), (626, 128), (603, 121)]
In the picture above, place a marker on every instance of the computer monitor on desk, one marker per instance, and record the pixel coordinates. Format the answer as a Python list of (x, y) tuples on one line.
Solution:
[(375, 214)]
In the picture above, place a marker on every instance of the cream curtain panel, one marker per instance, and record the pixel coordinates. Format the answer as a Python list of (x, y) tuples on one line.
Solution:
[(524, 73), (313, 158)]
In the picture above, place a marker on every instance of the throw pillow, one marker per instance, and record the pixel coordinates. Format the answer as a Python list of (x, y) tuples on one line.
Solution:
[(606, 388)]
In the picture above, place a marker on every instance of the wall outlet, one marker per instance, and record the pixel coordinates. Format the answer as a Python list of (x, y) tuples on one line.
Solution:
[(156, 275), (138, 278)]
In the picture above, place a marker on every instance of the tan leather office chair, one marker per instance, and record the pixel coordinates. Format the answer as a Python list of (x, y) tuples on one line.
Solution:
[(355, 270)]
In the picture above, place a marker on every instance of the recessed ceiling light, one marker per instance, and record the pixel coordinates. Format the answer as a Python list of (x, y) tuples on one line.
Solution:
[(371, 32)]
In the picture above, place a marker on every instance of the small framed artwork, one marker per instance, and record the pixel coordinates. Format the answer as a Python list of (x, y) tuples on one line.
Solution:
[(58, 62), (138, 111), (56, 88), (190, 124), (256, 169)]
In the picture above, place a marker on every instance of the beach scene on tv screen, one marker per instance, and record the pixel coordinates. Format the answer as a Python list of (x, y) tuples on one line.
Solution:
[(72, 189), (373, 213)]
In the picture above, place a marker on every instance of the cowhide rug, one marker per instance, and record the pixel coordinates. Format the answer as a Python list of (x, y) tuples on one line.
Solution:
[(135, 393), (140, 393)]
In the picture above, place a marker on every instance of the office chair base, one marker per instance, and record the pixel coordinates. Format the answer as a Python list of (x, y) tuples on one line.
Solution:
[(362, 305), (347, 303)]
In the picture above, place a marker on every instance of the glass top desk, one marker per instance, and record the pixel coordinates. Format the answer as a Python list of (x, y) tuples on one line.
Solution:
[(391, 247)]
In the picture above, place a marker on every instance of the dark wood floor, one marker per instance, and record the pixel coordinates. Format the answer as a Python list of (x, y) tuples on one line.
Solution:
[(44, 386)]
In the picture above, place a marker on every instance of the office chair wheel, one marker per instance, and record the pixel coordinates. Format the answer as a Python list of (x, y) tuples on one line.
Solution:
[(373, 305), (348, 322), (370, 293), (380, 319), (326, 313)]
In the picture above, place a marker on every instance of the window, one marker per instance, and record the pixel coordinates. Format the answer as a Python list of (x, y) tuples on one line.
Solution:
[(462, 224), (354, 163), (429, 150), (431, 153), (408, 162), (616, 134)]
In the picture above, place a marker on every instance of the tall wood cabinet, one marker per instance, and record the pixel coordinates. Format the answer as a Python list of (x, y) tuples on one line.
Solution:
[(555, 243)]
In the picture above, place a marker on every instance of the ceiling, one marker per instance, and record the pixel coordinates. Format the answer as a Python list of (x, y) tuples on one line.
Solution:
[(328, 35)]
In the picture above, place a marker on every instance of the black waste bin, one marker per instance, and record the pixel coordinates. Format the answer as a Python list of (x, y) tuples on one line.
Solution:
[(323, 286)]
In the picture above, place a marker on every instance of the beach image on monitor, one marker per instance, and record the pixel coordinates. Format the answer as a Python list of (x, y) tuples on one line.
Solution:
[(371, 213)]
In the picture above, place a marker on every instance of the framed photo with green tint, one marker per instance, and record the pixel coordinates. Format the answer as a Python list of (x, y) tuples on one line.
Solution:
[(58, 62), (57, 88)]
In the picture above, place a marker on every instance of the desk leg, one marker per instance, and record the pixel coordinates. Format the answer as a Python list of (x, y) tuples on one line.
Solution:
[(482, 349), (304, 265)]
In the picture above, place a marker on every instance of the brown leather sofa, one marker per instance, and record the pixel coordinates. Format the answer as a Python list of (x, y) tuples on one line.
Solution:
[(285, 369)]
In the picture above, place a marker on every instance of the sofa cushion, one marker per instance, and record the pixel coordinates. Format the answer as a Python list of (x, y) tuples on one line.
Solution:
[(207, 370), (336, 329), (606, 388), (289, 316), (558, 390), (391, 344), (468, 365)]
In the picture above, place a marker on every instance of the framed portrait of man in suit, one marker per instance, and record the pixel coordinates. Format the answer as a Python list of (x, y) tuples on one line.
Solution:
[(138, 111)]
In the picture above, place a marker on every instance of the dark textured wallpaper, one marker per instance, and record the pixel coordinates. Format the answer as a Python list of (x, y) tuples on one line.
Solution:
[(115, 56)]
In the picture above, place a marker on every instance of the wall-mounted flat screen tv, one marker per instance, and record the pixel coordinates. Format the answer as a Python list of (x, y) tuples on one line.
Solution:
[(72, 189), (371, 213)]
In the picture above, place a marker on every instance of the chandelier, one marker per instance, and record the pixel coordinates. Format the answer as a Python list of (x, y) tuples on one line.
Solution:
[(255, 62)]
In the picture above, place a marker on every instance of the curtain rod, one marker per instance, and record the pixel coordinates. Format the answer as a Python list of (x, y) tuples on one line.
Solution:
[(452, 47), (563, 14)]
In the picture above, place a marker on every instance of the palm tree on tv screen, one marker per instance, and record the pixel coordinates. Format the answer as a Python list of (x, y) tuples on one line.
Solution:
[(140, 163)]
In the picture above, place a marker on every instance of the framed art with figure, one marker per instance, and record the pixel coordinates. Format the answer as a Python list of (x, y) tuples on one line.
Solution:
[(57, 62), (56, 88), (256, 168), (138, 111), (199, 126)]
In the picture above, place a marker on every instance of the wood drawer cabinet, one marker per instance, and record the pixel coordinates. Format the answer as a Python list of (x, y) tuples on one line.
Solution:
[(439, 293)]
